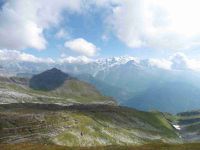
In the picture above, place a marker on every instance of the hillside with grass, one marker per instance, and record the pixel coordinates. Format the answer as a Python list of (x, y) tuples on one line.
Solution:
[(189, 123), (51, 86), (82, 125), (154, 146)]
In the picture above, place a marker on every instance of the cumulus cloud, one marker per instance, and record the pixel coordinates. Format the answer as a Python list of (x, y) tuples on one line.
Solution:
[(14, 55), (23, 22), (160, 24), (82, 46), (72, 60)]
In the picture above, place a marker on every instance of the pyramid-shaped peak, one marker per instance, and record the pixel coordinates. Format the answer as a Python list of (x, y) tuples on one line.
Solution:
[(49, 80)]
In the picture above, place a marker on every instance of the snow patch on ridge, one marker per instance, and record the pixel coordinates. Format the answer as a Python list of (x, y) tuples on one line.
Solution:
[(177, 127)]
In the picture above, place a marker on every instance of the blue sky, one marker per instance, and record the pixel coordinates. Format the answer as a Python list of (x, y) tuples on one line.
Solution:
[(100, 28), (89, 26)]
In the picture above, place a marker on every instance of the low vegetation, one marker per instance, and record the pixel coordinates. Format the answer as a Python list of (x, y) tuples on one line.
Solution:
[(190, 146), (82, 125)]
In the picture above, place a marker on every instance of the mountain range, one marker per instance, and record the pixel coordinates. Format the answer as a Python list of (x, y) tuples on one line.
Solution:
[(132, 82)]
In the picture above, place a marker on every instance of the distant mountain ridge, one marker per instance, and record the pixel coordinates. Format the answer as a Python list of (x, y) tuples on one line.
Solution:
[(171, 97), (126, 79)]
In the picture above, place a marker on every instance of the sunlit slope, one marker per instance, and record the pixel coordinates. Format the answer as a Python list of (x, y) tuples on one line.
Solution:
[(65, 91), (82, 125)]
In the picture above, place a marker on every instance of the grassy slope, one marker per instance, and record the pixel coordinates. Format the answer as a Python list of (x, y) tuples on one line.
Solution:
[(190, 124), (84, 125), (26, 146), (71, 91)]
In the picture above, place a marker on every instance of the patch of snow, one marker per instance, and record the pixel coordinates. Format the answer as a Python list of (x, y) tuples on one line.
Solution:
[(177, 127)]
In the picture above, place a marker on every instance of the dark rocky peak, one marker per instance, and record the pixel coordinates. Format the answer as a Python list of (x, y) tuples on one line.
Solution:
[(48, 80)]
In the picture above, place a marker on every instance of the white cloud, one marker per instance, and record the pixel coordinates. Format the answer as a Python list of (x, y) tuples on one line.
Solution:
[(71, 59), (160, 63), (105, 3), (178, 61), (82, 46), (160, 24), (14, 55), (62, 34), (24, 21), (181, 62)]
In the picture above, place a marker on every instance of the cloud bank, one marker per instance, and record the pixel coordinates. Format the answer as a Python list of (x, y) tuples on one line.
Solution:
[(14, 55)]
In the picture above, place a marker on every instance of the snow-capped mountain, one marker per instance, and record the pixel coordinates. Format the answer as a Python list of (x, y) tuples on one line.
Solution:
[(81, 64), (113, 61)]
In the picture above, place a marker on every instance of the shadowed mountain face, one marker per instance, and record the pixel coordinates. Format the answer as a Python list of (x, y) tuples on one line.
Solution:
[(119, 94), (48, 80)]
